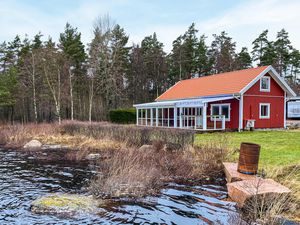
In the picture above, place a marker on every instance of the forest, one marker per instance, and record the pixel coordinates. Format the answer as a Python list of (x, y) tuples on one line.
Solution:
[(44, 81)]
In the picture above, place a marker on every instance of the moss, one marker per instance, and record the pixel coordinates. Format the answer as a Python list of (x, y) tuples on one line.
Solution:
[(64, 203)]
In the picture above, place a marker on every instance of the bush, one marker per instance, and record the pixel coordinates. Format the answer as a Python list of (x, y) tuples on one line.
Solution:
[(122, 116), (133, 135), (136, 172)]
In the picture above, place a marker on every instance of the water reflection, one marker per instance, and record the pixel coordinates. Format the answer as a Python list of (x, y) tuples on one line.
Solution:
[(22, 180)]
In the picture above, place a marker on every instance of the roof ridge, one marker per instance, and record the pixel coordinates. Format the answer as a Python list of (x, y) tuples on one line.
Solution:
[(223, 73)]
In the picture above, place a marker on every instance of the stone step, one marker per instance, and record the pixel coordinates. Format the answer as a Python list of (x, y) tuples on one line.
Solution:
[(232, 175), (242, 191)]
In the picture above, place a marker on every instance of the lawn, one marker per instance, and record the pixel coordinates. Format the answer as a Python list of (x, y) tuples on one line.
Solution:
[(278, 148)]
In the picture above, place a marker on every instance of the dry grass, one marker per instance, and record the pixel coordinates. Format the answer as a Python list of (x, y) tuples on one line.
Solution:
[(265, 209), (16, 136), (289, 176), (134, 172), (132, 135)]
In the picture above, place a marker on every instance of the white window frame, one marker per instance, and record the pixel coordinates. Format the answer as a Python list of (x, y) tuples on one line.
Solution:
[(220, 109), (269, 110), (268, 82)]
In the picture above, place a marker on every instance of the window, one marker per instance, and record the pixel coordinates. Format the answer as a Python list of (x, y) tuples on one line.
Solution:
[(220, 109), (264, 110), (265, 84)]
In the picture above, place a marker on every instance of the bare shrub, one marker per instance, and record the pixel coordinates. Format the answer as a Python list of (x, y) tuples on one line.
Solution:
[(267, 208), (127, 173), (17, 135), (132, 135), (133, 172)]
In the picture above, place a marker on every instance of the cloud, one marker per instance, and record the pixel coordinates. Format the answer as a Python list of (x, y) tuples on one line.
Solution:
[(243, 20)]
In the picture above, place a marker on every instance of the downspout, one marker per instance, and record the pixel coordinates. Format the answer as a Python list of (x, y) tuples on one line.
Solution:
[(241, 112)]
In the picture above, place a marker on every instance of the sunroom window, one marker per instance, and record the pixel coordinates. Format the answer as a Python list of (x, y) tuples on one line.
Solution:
[(220, 109), (265, 84)]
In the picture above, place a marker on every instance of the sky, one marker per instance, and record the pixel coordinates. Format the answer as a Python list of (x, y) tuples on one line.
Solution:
[(243, 20)]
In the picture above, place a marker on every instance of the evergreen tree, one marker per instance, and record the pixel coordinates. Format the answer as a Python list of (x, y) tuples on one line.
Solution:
[(154, 66), (73, 48), (282, 47), (190, 44), (175, 61), (203, 62), (243, 59), (264, 52), (222, 52), (260, 44)]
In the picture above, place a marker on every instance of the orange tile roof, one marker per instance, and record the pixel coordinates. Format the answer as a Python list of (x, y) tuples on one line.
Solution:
[(218, 84)]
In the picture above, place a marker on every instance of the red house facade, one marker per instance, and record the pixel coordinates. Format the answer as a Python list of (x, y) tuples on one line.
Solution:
[(235, 100)]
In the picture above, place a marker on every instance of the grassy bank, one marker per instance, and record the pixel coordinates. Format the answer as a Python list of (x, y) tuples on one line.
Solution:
[(279, 157)]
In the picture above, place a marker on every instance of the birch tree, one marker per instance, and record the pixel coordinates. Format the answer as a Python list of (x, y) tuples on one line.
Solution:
[(54, 66)]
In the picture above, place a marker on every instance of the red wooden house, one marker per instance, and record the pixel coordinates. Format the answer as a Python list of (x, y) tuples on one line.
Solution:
[(240, 99)]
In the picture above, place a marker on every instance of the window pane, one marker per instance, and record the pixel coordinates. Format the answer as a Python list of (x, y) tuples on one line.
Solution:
[(215, 110), (225, 111), (265, 83), (264, 110)]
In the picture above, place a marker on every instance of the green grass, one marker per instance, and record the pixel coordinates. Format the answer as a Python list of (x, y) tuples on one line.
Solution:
[(278, 148)]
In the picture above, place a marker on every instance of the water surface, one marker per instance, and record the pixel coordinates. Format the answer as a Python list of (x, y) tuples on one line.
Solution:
[(22, 180)]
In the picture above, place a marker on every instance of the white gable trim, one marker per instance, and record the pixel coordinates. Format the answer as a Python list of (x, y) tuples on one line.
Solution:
[(275, 76)]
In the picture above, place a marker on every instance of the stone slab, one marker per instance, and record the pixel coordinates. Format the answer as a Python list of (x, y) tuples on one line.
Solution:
[(232, 175), (241, 191)]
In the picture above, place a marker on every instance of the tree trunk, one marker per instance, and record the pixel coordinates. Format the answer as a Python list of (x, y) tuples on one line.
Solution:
[(58, 98), (91, 99), (34, 89), (71, 95)]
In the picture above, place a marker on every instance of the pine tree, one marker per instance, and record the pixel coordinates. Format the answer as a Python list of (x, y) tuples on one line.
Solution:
[(73, 48), (243, 59), (189, 45), (260, 44), (203, 62), (282, 47), (222, 52), (154, 66)]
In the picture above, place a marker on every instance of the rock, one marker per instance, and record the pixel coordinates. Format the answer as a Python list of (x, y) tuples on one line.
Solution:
[(65, 204), (93, 156), (264, 189), (233, 175), (53, 147), (33, 144), (147, 148)]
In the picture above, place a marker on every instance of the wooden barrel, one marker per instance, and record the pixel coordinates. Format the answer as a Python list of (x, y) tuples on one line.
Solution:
[(249, 156)]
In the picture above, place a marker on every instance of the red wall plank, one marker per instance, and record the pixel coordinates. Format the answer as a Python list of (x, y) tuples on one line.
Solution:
[(253, 97)]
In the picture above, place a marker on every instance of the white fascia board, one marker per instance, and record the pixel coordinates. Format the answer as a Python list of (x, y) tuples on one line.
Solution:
[(275, 76), (257, 78), (280, 80)]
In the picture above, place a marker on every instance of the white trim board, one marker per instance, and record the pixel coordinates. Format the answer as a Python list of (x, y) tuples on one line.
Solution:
[(275, 76)]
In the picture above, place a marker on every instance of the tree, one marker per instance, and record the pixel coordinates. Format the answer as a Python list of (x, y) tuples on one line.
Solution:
[(222, 51), (243, 59), (263, 51), (259, 47), (175, 61), (183, 58), (203, 62), (108, 60), (73, 48), (282, 47), (154, 66), (54, 67)]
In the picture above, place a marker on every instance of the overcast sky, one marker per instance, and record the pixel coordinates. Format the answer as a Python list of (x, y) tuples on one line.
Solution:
[(243, 20)]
